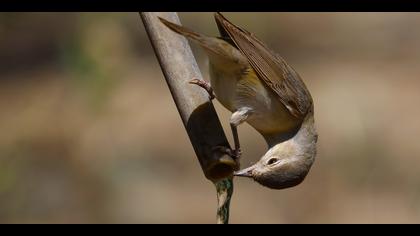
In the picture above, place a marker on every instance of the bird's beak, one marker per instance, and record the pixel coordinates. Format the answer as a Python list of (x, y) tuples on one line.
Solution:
[(247, 172)]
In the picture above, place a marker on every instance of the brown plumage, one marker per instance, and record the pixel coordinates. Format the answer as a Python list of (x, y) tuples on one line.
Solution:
[(260, 88), (281, 78)]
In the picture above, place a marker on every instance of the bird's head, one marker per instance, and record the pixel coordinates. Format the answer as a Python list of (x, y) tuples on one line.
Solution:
[(285, 164)]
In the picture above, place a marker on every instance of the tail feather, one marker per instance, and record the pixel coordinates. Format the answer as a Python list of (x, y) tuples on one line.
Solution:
[(215, 47), (185, 31)]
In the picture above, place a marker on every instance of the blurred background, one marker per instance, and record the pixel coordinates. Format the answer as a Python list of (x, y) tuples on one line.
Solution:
[(90, 134)]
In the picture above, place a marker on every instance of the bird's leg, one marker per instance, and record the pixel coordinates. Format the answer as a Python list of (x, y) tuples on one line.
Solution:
[(236, 119), (205, 85)]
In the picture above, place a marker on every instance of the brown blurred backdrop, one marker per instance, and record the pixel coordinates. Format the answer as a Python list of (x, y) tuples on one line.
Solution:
[(89, 132)]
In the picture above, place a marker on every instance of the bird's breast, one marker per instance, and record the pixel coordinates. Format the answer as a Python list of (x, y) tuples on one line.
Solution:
[(236, 88), (224, 83)]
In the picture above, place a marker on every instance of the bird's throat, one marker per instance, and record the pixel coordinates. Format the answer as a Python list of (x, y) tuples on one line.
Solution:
[(303, 135)]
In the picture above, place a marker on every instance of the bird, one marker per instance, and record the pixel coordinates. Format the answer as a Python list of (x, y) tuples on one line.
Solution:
[(259, 87)]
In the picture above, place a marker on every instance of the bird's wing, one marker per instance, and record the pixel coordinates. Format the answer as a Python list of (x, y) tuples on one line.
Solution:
[(281, 78), (224, 34)]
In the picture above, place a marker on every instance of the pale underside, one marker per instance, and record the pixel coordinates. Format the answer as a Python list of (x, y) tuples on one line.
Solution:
[(270, 68), (237, 87)]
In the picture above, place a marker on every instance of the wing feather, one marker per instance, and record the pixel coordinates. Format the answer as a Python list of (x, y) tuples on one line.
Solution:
[(281, 78)]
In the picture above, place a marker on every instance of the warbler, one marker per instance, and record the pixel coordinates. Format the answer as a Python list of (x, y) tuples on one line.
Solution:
[(260, 88)]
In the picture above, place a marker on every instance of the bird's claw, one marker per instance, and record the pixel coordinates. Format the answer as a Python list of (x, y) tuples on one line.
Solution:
[(205, 85), (235, 154)]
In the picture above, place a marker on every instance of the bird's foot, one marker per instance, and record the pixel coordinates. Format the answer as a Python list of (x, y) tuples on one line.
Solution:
[(235, 154), (205, 85)]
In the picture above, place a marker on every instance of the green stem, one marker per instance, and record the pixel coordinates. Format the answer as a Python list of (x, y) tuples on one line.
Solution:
[(224, 194)]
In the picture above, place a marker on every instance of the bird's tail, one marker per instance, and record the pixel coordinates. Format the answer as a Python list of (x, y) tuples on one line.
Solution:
[(211, 44), (199, 38)]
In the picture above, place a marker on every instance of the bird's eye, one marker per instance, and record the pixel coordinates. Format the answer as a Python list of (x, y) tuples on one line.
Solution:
[(272, 161)]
